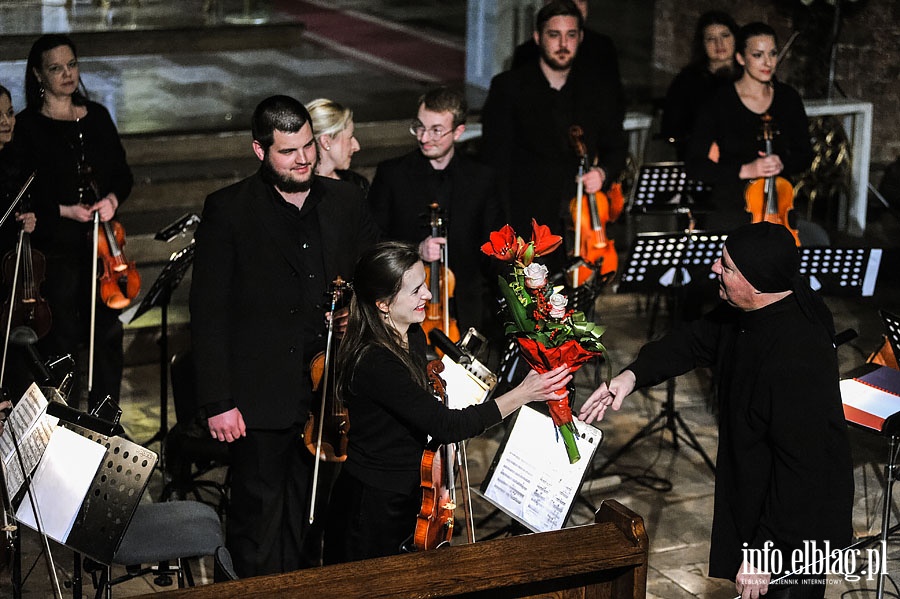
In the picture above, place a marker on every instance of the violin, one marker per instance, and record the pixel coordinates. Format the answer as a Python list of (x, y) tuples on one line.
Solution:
[(120, 281), (770, 199), (28, 307), (325, 434), (441, 282), (434, 523), (594, 251)]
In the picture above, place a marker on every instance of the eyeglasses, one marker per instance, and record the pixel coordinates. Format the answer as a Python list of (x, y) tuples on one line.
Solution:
[(418, 130)]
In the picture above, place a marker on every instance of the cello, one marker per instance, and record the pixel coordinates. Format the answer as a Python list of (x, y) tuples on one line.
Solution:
[(325, 434), (434, 523), (441, 282), (594, 251), (770, 199)]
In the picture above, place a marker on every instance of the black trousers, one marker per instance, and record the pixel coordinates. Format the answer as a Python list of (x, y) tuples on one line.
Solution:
[(268, 515), (364, 522)]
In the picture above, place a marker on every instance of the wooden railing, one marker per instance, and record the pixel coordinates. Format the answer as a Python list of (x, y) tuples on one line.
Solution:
[(606, 559)]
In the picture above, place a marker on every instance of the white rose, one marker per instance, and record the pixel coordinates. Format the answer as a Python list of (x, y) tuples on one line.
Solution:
[(558, 305), (535, 275)]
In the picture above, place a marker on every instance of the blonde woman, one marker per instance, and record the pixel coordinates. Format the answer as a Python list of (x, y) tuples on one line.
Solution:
[(334, 131)]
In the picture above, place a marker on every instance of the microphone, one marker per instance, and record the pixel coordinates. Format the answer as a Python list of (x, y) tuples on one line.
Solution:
[(177, 228), (25, 336), (443, 343)]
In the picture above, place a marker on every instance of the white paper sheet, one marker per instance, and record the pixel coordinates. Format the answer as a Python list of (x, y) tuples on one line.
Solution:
[(61, 481)]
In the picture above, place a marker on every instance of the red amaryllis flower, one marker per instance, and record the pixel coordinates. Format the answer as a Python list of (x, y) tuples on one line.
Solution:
[(544, 241), (503, 244)]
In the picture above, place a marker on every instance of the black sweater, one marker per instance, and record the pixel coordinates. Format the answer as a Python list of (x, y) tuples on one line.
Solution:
[(391, 417)]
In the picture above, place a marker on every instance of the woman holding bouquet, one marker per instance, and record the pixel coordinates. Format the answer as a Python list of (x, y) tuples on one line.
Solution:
[(382, 379)]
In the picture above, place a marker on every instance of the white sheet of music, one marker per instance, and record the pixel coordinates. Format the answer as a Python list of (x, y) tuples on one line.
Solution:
[(30, 425), (532, 480), (61, 482)]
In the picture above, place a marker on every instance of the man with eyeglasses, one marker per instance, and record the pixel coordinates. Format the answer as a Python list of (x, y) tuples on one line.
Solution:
[(435, 172), (527, 118)]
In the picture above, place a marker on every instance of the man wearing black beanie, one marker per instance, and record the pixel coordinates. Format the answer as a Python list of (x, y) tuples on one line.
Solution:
[(784, 475)]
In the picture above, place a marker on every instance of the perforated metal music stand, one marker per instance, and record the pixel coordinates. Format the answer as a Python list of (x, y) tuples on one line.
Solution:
[(892, 326), (663, 187), (841, 271), (669, 261), (114, 492)]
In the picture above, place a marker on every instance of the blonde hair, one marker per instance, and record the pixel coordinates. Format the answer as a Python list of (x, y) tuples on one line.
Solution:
[(328, 117)]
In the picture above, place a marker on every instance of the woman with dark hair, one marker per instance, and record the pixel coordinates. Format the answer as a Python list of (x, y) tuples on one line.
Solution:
[(12, 171), (726, 148), (712, 66), (382, 379), (80, 170)]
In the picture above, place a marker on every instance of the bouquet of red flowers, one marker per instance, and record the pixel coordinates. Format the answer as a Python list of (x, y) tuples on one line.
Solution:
[(548, 334)]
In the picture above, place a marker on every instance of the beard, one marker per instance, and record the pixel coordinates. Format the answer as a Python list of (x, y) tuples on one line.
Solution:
[(282, 182), (557, 63)]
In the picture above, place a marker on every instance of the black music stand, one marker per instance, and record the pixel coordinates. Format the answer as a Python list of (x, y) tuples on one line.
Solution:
[(159, 295), (670, 261), (665, 187), (892, 326), (114, 491), (841, 271)]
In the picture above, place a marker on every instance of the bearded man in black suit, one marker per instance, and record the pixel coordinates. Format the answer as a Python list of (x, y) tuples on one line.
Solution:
[(267, 249)]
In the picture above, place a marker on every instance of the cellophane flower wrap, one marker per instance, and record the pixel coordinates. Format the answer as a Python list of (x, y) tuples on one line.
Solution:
[(547, 332)]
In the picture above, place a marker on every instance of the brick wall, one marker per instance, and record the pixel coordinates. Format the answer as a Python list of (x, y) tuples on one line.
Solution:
[(868, 58)]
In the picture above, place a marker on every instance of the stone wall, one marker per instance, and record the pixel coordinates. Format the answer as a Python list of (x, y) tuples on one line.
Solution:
[(868, 57)]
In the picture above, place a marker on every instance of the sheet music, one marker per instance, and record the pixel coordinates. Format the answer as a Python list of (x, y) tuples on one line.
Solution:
[(32, 428), (532, 480)]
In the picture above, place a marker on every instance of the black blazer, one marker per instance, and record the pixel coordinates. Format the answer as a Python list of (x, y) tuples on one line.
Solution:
[(399, 199), (250, 322)]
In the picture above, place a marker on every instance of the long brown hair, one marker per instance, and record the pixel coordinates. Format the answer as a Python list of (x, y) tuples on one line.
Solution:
[(377, 277)]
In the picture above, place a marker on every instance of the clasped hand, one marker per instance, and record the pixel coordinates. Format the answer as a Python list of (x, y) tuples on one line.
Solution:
[(607, 395), (593, 180), (764, 166), (106, 208)]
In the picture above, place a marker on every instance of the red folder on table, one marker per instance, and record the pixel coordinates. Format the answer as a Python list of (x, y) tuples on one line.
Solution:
[(872, 400)]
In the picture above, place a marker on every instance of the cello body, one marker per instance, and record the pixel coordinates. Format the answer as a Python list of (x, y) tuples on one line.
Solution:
[(770, 199)]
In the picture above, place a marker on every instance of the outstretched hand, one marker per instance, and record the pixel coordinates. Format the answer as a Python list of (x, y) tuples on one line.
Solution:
[(607, 395)]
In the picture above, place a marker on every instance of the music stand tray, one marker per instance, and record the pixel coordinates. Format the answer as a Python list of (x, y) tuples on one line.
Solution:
[(670, 259), (892, 326), (841, 271), (665, 187)]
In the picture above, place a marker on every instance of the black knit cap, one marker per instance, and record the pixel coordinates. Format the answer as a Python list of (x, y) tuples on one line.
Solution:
[(766, 255)]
